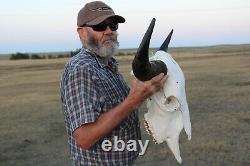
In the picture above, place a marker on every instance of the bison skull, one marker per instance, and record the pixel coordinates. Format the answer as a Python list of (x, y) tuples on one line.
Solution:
[(168, 111)]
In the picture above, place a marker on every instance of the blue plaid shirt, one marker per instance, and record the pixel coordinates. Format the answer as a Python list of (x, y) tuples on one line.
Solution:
[(89, 88)]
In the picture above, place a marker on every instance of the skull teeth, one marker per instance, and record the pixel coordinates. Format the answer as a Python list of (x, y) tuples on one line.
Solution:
[(155, 141), (149, 131), (146, 127)]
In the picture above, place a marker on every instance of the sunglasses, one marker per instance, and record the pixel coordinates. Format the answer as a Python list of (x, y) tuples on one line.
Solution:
[(103, 26)]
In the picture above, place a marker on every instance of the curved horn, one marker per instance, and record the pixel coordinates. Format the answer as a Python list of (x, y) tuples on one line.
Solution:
[(142, 68), (164, 46)]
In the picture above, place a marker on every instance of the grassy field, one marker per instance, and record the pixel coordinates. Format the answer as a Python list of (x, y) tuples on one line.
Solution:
[(218, 90)]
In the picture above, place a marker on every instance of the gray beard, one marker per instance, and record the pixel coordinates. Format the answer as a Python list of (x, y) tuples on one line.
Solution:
[(101, 50)]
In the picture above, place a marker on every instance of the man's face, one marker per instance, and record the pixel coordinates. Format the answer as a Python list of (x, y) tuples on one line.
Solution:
[(103, 43)]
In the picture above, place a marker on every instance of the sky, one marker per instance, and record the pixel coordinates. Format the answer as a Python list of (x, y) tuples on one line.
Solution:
[(50, 25)]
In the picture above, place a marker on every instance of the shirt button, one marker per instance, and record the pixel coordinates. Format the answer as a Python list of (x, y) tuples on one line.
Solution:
[(94, 77), (102, 99)]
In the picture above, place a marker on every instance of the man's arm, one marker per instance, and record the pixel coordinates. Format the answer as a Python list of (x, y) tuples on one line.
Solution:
[(88, 134)]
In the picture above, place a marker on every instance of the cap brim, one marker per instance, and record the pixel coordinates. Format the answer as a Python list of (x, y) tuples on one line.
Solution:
[(117, 18)]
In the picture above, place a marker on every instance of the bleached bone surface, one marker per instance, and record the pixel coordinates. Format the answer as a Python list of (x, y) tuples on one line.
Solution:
[(168, 111)]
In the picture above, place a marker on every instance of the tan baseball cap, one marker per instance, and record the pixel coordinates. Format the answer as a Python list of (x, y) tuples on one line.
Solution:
[(96, 12)]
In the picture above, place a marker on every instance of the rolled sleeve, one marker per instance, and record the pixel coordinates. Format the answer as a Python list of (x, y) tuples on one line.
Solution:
[(81, 98)]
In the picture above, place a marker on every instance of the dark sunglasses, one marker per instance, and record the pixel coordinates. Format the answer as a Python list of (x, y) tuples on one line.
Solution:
[(103, 26)]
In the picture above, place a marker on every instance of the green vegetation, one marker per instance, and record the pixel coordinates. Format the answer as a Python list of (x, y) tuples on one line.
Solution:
[(178, 52), (36, 56), (20, 56)]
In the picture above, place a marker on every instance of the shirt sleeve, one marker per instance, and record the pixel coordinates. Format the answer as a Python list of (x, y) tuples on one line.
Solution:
[(81, 97)]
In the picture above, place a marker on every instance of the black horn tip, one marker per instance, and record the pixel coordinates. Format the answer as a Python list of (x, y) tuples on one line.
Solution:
[(164, 46), (143, 48), (141, 61), (142, 68)]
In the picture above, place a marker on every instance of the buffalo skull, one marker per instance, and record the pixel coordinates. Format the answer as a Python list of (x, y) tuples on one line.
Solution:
[(168, 111)]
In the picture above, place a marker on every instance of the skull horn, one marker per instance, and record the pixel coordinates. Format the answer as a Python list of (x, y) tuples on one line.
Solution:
[(164, 46), (142, 68)]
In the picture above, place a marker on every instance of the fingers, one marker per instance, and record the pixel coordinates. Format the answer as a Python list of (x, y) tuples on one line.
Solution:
[(147, 88), (155, 84), (163, 80), (159, 80)]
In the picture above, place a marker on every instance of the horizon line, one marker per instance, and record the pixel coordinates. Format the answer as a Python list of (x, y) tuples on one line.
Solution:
[(198, 46)]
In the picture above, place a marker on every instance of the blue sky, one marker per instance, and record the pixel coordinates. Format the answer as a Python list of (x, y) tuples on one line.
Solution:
[(50, 25)]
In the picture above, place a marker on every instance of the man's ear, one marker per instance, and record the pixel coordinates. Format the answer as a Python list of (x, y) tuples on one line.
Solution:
[(82, 32)]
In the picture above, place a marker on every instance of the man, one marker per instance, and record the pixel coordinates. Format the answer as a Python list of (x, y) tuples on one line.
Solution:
[(97, 102)]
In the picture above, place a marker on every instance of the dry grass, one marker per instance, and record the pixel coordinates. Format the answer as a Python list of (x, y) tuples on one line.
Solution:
[(218, 89)]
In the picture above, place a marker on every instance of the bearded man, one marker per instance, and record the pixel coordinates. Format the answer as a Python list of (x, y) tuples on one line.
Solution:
[(98, 105)]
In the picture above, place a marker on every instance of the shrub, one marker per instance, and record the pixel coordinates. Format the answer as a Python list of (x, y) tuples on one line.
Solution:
[(121, 54), (51, 57), (36, 56), (61, 56), (19, 55)]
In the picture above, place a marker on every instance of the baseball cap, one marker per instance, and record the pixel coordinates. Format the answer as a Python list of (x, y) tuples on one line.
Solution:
[(96, 12)]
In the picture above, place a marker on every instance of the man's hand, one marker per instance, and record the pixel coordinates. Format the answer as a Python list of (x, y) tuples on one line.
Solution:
[(142, 90)]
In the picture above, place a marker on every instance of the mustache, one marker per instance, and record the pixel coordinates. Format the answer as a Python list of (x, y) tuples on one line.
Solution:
[(109, 37)]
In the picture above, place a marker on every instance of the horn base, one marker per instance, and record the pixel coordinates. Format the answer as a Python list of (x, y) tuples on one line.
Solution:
[(152, 69)]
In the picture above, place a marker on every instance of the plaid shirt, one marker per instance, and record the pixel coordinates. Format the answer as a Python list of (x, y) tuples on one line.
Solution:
[(89, 88)]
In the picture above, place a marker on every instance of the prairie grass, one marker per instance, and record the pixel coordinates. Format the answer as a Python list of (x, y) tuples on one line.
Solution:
[(218, 91)]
